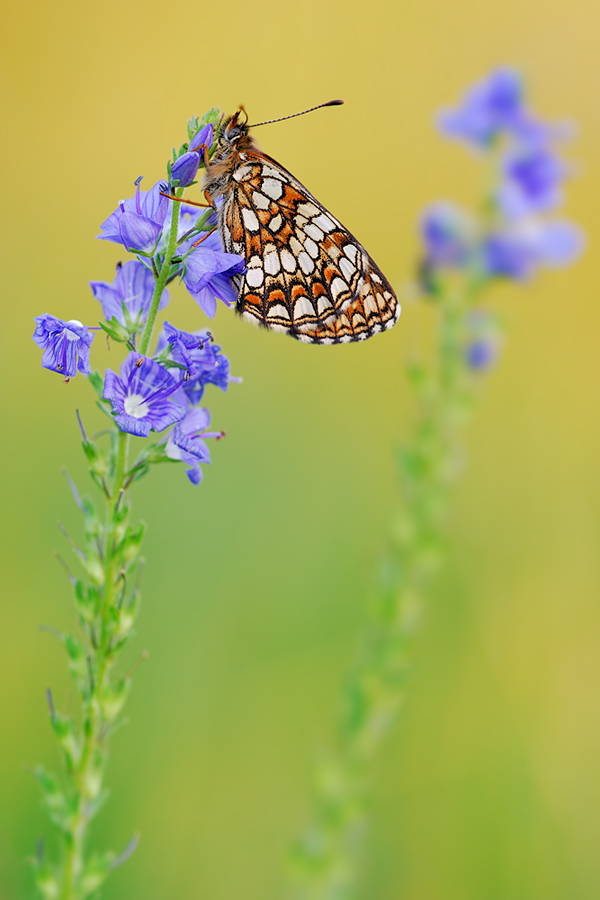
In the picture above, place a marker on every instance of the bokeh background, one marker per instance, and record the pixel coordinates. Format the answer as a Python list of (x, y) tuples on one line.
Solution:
[(490, 789)]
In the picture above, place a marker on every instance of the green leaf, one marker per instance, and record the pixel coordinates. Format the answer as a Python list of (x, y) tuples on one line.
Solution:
[(78, 664), (113, 699), (46, 879), (94, 875), (88, 601), (213, 115), (53, 798), (192, 127), (97, 382), (132, 542), (64, 729), (96, 459), (115, 330)]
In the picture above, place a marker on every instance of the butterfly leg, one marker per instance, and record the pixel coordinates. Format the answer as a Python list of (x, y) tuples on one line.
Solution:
[(203, 238), (187, 202)]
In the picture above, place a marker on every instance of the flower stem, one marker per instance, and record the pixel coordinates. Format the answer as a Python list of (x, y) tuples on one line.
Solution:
[(163, 275), (85, 774), (327, 860)]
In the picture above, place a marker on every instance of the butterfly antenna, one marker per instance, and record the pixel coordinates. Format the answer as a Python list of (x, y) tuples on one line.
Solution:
[(303, 113)]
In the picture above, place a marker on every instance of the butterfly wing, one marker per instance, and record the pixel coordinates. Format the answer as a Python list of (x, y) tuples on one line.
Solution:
[(306, 274)]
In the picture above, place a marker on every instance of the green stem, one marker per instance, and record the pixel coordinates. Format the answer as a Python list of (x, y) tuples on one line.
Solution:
[(86, 775), (327, 860), (163, 275)]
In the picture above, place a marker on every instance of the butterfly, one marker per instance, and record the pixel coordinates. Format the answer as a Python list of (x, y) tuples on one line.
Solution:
[(306, 275)]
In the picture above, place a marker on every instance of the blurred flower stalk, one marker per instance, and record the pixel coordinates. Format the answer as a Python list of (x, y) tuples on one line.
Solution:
[(154, 416), (511, 236)]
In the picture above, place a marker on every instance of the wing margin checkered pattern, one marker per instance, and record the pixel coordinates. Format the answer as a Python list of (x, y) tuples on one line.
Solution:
[(306, 275)]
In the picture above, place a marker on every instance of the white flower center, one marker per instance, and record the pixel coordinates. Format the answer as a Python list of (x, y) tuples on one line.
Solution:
[(136, 406)]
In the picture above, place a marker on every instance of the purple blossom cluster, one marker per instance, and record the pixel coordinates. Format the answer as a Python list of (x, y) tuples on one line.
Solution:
[(159, 392), (515, 235)]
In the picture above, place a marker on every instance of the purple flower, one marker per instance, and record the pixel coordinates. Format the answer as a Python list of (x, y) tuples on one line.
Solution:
[(207, 274), (521, 248), (209, 366), (185, 169), (205, 362), (137, 223), (140, 397), (128, 298), (186, 442), (492, 106), (66, 345), (204, 136), (182, 343), (483, 344), (532, 182), (448, 234), (480, 355)]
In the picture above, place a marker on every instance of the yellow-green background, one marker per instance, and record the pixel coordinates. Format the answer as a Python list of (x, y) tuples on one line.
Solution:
[(490, 789)]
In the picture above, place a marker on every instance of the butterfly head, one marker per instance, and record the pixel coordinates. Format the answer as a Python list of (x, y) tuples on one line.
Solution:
[(234, 128)]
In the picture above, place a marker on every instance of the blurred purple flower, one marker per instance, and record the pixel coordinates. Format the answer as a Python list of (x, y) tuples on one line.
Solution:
[(187, 442), (128, 298), (66, 345), (480, 354), (483, 340), (448, 234), (137, 223), (140, 396), (532, 182), (529, 243), (492, 106), (511, 239)]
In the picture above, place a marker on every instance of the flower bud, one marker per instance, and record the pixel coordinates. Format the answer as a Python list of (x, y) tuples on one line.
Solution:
[(185, 169), (204, 136)]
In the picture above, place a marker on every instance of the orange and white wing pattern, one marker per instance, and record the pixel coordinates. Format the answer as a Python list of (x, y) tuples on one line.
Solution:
[(306, 274)]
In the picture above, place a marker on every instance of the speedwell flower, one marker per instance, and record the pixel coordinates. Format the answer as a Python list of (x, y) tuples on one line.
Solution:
[(128, 298), (182, 343), (521, 248), (185, 169), (482, 346), (137, 223), (203, 136), (448, 235), (208, 366), (142, 397), (186, 442), (66, 345), (207, 274), (512, 237), (532, 182), (492, 106), (203, 359)]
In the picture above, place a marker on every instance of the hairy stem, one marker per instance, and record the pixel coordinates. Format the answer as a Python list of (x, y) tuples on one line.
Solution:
[(327, 859), (86, 773), (163, 275)]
